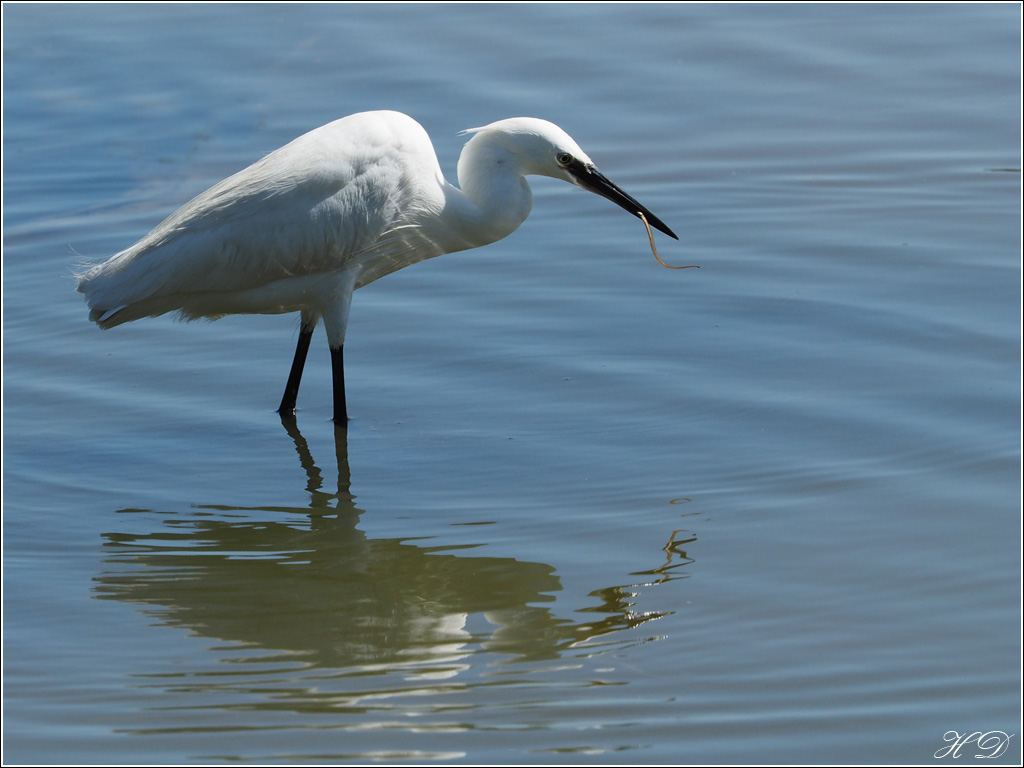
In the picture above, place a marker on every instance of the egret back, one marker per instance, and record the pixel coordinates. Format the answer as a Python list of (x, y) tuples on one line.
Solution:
[(352, 194)]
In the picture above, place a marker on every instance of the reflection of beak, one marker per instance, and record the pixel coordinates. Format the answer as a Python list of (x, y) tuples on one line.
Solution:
[(588, 177)]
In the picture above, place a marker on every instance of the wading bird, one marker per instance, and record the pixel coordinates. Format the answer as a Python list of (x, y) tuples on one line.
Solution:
[(332, 211)]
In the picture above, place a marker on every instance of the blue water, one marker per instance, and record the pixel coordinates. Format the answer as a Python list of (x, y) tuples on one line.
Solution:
[(588, 509)]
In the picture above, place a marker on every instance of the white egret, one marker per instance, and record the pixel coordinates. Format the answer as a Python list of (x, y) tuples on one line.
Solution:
[(332, 211)]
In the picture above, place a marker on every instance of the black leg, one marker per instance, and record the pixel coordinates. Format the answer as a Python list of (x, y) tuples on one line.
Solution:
[(291, 390), (338, 370)]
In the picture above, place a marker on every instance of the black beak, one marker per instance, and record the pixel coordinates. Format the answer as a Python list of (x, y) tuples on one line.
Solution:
[(588, 177)]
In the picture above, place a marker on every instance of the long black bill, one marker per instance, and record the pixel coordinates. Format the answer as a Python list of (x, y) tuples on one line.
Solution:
[(588, 177)]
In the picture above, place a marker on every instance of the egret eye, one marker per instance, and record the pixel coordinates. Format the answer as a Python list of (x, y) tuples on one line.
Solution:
[(563, 158)]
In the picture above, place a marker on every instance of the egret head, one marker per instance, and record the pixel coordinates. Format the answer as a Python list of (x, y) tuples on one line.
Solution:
[(541, 148)]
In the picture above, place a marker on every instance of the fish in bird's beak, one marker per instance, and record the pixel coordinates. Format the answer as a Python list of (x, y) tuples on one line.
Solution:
[(587, 176)]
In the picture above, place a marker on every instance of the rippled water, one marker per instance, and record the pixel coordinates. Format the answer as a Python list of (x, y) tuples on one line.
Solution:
[(588, 510)]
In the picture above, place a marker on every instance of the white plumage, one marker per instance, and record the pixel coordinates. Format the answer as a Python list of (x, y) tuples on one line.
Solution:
[(334, 210)]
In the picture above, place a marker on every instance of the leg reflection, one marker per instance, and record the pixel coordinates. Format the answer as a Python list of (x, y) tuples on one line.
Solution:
[(319, 499)]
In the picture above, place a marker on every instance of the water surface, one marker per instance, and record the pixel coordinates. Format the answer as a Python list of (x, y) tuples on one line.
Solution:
[(588, 510)]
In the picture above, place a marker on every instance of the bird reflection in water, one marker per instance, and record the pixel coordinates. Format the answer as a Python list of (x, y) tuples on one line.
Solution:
[(306, 581)]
